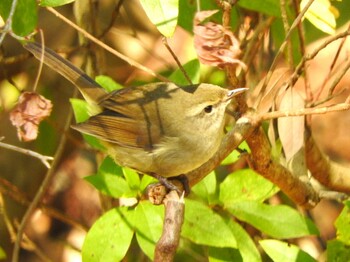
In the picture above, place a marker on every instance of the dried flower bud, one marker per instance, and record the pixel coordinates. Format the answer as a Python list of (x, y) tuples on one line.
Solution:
[(215, 45), (31, 109)]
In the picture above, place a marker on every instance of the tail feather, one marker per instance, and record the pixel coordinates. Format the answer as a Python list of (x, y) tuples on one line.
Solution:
[(91, 91)]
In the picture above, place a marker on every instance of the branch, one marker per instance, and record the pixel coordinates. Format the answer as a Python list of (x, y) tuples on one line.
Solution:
[(44, 159), (173, 220), (299, 192), (108, 48), (305, 111), (328, 173), (43, 187)]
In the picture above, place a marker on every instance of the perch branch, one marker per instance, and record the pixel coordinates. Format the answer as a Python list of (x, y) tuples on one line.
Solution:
[(173, 220)]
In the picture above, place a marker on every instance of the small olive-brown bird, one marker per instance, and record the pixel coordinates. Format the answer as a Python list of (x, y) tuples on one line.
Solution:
[(160, 129)]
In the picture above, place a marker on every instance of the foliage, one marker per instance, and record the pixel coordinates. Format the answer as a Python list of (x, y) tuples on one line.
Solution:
[(225, 204)]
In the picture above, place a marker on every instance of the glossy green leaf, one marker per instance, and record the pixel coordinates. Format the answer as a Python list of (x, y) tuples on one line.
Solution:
[(132, 177), (192, 69), (163, 14), (203, 226), (81, 110), (145, 181), (206, 188), (280, 251), (25, 18), (109, 180), (245, 185), (54, 3), (108, 83), (343, 225), (245, 244), (110, 236), (149, 223), (276, 221)]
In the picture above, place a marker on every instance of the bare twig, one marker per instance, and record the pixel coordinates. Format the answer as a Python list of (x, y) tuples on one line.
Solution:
[(14, 193), (8, 25), (44, 159), (165, 42), (305, 111), (173, 220), (42, 188), (283, 45), (108, 48)]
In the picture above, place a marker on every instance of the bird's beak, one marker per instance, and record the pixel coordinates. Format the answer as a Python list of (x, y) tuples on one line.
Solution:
[(234, 92)]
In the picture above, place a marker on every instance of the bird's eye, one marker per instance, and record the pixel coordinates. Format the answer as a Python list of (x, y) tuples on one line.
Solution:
[(208, 109)]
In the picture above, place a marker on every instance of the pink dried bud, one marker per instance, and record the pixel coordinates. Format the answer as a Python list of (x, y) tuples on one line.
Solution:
[(31, 109), (215, 44)]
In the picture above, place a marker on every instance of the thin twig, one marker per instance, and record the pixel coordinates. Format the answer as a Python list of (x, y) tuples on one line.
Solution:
[(44, 159), (8, 24), (41, 60), (165, 42), (42, 188), (106, 47), (305, 111), (283, 45)]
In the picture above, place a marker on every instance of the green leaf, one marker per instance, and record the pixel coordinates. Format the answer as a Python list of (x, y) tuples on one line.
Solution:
[(149, 223), (108, 83), (276, 221), (245, 185), (54, 3), (206, 188), (337, 251), (132, 177), (245, 244), (81, 110), (203, 226), (109, 180), (235, 155), (25, 18), (146, 180), (163, 14), (110, 236), (192, 68), (343, 224), (280, 251)]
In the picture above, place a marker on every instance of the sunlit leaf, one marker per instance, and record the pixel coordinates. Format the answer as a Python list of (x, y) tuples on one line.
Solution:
[(163, 14), (54, 3), (149, 223), (25, 17), (244, 185), (276, 221), (281, 251), (110, 237), (203, 226), (322, 15)]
